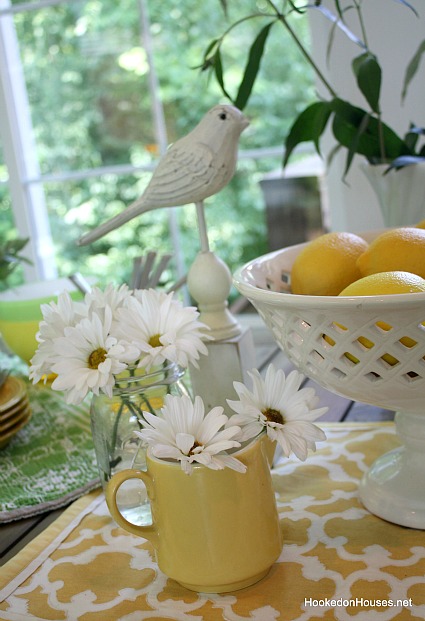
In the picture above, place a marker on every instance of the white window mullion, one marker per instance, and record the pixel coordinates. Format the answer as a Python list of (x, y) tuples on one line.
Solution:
[(160, 129), (29, 206)]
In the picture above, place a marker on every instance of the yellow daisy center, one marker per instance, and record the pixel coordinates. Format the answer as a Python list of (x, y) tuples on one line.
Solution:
[(195, 446), (154, 340), (274, 416), (97, 357)]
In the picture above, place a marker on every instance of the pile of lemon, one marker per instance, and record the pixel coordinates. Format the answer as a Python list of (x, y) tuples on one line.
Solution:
[(345, 264)]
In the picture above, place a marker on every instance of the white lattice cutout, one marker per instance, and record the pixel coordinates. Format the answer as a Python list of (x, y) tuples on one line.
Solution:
[(378, 358)]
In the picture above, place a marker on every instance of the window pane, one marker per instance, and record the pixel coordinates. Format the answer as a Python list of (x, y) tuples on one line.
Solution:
[(87, 78), (6, 218), (7, 231), (76, 207)]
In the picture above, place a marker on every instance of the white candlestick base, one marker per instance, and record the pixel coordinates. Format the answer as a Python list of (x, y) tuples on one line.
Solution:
[(394, 486), (209, 281), (227, 361)]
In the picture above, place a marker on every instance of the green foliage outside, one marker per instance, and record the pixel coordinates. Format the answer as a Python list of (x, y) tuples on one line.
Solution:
[(87, 81), (10, 259)]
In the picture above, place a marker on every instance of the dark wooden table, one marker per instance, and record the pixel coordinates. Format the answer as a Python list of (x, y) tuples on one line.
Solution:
[(15, 535)]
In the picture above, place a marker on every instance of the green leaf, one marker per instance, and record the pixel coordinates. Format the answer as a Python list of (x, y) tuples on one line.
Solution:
[(10, 257), (354, 147), (411, 139), (412, 136), (218, 70), (208, 59), (296, 9), (252, 67), (210, 48), (338, 8), (308, 127), (224, 6), (369, 75), (409, 6), (412, 68), (15, 245), (414, 129), (359, 132), (406, 160), (335, 19)]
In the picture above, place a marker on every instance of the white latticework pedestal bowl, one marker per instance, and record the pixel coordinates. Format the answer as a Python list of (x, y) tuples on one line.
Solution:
[(369, 349)]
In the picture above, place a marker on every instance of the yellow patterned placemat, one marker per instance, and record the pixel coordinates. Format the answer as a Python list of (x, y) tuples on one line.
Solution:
[(338, 561)]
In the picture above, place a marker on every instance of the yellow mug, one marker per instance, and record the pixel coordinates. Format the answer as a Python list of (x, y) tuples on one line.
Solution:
[(213, 531)]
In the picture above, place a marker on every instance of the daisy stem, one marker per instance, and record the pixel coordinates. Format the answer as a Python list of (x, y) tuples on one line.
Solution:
[(115, 460), (150, 408), (138, 411)]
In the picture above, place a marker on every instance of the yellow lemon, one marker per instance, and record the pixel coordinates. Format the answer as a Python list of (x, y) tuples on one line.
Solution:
[(401, 249), (420, 225), (384, 283), (327, 264)]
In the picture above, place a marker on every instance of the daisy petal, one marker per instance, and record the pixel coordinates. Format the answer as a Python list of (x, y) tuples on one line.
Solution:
[(185, 433), (279, 404)]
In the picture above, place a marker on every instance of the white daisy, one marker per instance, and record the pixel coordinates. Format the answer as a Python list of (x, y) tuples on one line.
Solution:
[(278, 405), (56, 317), (184, 433), (112, 297), (162, 328), (87, 358)]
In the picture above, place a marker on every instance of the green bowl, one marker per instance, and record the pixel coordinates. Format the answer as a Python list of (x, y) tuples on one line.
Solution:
[(20, 312)]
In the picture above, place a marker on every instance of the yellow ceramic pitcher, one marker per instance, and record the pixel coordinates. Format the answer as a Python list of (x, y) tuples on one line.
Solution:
[(213, 530)]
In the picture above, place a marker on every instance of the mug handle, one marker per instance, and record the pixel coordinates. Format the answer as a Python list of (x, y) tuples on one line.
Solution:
[(148, 532)]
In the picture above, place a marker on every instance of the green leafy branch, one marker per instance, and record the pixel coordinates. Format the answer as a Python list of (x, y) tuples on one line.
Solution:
[(11, 257), (359, 131)]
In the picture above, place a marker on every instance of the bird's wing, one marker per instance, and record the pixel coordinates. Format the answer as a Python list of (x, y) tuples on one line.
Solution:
[(181, 177)]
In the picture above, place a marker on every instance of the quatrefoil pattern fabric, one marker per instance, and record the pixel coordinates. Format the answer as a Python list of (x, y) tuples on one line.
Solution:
[(338, 561)]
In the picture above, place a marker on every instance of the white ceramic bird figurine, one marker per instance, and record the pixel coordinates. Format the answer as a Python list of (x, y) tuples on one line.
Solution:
[(193, 168)]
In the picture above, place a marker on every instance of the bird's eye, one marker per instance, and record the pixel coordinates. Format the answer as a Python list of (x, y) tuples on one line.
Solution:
[(222, 116)]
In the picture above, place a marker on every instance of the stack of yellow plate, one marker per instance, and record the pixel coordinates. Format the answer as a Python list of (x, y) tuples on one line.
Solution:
[(15, 409)]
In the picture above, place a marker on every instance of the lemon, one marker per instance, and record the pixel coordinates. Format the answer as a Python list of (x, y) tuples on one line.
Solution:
[(420, 225), (384, 283), (401, 249), (327, 264)]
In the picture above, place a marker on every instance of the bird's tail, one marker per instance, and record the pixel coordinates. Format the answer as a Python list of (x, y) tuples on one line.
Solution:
[(127, 214)]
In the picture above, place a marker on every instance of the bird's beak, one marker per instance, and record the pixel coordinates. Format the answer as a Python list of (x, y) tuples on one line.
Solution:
[(245, 122)]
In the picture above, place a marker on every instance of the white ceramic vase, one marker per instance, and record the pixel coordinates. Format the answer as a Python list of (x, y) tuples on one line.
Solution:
[(401, 193)]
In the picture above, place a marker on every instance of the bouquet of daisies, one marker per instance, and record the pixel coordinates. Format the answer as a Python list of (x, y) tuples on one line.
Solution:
[(88, 344)]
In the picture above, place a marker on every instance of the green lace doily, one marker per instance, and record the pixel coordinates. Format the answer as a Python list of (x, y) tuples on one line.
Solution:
[(50, 461)]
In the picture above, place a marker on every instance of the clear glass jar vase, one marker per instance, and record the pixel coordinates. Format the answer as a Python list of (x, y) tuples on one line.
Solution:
[(114, 420)]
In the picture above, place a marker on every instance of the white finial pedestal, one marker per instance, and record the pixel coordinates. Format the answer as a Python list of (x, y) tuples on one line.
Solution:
[(231, 353), (209, 282)]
